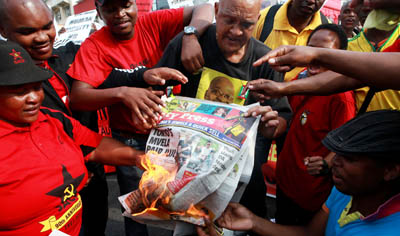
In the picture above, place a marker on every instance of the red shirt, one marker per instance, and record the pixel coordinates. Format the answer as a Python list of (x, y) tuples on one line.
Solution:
[(313, 118), (101, 52), (41, 171)]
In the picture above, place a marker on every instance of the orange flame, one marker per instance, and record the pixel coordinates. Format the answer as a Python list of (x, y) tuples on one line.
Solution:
[(153, 186)]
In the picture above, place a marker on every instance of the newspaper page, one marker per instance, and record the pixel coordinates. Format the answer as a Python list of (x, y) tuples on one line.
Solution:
[(208, 149)]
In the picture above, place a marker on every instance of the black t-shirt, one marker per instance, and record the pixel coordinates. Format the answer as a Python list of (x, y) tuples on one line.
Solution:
[(220, 79)]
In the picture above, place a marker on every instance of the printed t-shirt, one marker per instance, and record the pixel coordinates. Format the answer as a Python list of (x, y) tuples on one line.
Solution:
[(395, 47), (385, 221), (42, 169), (101, 52), (313, 118), (284, 34), (220, 79), (387, 99)]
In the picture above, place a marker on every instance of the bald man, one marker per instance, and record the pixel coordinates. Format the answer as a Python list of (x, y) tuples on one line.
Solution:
[(229, 49), (221, 90)]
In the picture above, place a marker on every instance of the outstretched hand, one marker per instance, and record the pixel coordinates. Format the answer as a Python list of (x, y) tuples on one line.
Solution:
[(285, 58), (263, 89), (158, 76)]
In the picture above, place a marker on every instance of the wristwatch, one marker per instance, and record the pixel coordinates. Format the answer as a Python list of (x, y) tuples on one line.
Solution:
[(189, 30)]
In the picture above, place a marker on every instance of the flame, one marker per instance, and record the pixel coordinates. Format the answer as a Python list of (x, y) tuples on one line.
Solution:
[(153, 193)]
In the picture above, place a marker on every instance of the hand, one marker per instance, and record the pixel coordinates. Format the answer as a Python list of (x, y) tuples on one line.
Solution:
[(285, 58), (144, 104), (158, 76), (315, 165), (191, 54), (236, 217), (263, 89), (269, 119), (209, 230)]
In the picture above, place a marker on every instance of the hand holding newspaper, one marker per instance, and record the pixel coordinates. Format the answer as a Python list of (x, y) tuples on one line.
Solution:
[(199, 158)]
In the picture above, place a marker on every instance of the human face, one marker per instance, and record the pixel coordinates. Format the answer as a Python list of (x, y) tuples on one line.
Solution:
[(220, 90), (235, 22), (306, 8), (322, 39), (120, 16), (357, 175), (348, 18), (362, 11), (20, 104), (31, 26)]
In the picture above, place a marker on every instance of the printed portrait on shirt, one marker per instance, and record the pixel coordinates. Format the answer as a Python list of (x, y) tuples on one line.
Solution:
[(219, 87)]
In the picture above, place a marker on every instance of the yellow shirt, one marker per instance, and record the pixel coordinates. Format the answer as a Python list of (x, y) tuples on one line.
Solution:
[(388, 99), (284, 34)]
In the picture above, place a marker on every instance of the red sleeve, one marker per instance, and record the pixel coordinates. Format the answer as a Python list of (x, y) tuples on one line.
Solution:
[(342, 109), (90, 65), (395, 47), (87, 139), (169, 23)]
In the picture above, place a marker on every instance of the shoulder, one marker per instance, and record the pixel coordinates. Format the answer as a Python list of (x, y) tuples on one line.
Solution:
[(64, 120), (259, 48), (161, 14)]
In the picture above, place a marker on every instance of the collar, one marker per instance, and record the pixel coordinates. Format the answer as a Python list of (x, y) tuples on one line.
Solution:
[(7, 128), (281, 21), (388, 208)]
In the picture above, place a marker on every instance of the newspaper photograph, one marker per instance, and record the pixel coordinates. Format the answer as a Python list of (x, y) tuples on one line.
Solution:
[(198, 159)]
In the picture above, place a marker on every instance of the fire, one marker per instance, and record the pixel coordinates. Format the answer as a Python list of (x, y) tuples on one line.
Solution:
[(153, 195)]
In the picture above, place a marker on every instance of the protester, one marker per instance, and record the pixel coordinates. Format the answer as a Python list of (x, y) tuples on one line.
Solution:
[(289, 24), (43, 167), (365, 199), (375, 40), (34, 19), (130, 42), (348, 20), (229, 51), (298, 192)]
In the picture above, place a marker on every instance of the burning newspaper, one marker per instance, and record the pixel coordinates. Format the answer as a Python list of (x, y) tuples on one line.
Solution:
[(198, 159)]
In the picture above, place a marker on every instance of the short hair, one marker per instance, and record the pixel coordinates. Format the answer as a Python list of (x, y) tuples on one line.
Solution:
[(337, 30), (4, 10)]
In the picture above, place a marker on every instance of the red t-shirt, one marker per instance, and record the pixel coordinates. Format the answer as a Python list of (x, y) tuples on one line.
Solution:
[(313, 118), (101, 52), (41, 171)]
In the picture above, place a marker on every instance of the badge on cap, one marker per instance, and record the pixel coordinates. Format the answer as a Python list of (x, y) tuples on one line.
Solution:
[(17, 57)]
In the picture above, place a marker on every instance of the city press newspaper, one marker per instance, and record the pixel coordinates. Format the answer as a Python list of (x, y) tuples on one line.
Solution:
[(198, 159)]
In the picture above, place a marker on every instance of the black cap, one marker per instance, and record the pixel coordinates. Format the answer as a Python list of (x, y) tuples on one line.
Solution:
[(373, 134), (17, 66)]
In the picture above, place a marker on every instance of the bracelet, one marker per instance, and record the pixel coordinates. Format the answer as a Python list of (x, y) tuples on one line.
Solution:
[(325, 168)]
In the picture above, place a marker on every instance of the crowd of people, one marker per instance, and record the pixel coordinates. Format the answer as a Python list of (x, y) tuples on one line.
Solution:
[(327, 93)]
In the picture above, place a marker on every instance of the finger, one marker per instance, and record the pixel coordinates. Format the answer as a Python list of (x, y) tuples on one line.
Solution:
[(266, 57), (153, 103), (272, 123), (269, 116), (282, 68), (172, 74), (316, 159), (197, 65)]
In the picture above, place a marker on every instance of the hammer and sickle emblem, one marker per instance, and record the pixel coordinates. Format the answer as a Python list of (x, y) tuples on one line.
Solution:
[(69, 192)]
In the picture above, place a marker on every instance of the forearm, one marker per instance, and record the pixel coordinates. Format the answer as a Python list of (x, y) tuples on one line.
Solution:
[(91, 99), (266, 228), (201, 17), (365, 67), (326, 83), (113, 152), (121, 77)]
